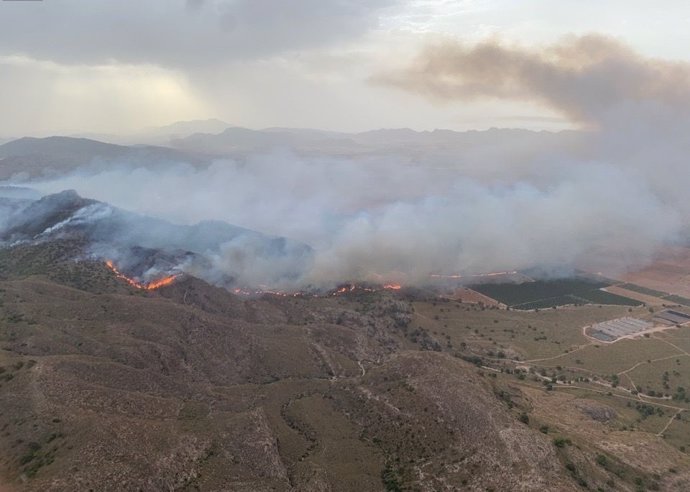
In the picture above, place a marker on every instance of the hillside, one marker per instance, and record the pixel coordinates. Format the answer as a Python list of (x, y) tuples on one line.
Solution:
[(145, 246), (30, 157), (189, 387)]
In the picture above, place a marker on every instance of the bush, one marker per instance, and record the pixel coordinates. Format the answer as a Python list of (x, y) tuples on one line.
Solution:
[(561, 442), (391, 480)]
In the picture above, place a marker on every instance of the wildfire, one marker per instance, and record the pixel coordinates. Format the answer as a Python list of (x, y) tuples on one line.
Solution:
[(343, 289), (279, 293), (156, 284), (476, 275), (364, 288)]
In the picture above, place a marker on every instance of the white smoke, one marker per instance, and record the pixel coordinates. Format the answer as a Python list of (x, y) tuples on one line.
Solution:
[(370, 221), (608, 201)]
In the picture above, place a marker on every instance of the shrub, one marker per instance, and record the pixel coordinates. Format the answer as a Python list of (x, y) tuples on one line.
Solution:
[(602, 460), (561, 442)]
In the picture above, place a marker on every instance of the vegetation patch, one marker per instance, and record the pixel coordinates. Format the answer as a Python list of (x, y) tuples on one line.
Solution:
[(678, 300), (542, 294), (643, 290)]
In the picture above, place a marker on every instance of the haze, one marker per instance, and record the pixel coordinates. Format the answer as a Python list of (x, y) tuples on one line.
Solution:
[(603, 189)]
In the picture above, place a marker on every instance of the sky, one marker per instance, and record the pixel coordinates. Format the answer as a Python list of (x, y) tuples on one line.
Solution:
[(69, 66)]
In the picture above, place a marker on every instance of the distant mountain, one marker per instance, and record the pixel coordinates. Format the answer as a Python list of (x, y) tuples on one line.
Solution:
[(403, 141), (238, 140), (19, 192), (185, 128), (59, 147), (157, 135), (30, 157), (143, 245)]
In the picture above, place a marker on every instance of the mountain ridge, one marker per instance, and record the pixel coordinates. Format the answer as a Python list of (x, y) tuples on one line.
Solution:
[(144, 246)]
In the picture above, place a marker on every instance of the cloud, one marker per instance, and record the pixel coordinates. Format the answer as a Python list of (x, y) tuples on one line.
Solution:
[(46, 96), (179, 33), (636, 107)]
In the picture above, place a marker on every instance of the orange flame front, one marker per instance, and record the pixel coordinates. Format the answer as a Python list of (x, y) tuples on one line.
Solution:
[(156, 284)]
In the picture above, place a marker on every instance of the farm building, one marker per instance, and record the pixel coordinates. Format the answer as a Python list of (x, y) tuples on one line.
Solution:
[(609, 331)]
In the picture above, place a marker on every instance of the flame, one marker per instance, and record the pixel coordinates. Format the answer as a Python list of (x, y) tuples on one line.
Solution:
[(279, 293), (340, 290), (345, 288), (156, 284)]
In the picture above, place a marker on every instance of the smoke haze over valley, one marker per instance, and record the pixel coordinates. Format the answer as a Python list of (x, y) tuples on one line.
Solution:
[(608, 193), (398, 205)]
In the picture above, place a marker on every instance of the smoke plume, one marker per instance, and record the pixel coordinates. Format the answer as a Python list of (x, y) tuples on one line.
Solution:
[(608, 197), (591, 79)]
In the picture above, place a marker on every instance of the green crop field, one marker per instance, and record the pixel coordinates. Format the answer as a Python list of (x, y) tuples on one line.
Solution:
[(643, 290), (543, 294), (678, 300)]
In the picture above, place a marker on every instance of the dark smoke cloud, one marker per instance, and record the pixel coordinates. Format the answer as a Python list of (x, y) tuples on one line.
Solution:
[(591, 79)]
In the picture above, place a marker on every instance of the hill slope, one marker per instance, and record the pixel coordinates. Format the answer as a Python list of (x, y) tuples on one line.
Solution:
[(144, 246), (192, 388), (188, 387)]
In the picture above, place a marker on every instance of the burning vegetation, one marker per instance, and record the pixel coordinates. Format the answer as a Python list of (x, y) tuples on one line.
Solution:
[(340, 290), (153, 285)]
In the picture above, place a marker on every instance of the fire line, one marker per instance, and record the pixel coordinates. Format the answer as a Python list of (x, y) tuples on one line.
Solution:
[(153, 285)]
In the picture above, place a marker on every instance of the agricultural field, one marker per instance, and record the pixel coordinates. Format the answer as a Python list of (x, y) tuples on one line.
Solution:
[(643, 290), (645, 298), (543, 294), (684, 301), (653, 294), (669, 274)]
